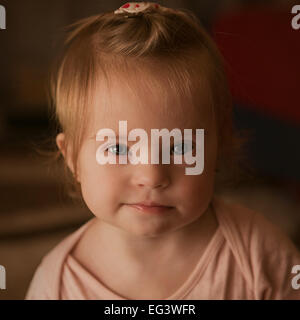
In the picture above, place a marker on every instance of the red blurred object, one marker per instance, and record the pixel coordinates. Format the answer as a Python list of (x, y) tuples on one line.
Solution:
[(262, 55)]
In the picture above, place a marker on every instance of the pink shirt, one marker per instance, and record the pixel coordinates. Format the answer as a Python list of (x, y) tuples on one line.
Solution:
[(247, 258)]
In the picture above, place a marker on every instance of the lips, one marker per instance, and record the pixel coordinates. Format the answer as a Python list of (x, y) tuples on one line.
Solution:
[(150, 204), (150, 207)]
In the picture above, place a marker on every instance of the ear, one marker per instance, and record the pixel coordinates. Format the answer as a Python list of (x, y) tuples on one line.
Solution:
[(61, 144)]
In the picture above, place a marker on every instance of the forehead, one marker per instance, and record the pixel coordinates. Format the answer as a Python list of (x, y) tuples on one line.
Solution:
[(149, 103)]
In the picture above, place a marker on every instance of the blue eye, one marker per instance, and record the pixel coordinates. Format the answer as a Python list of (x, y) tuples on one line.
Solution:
[(119, 149), (182, 148)]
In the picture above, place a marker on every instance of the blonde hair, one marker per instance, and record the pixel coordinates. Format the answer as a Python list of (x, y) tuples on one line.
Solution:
[(108, 43)]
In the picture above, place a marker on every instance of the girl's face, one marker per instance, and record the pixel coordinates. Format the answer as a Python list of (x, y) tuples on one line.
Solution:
[(108, 190)]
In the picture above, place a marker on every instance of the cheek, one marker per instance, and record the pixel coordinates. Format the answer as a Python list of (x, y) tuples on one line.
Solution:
[(196, 187), (196, 194), (195, 191), (210, 154), (96, 181), (101, 184)]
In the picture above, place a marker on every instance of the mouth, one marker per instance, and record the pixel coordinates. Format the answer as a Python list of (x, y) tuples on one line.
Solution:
[(150, 207)]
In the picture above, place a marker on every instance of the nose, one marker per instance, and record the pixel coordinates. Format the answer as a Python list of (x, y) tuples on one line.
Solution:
[(150, 176)]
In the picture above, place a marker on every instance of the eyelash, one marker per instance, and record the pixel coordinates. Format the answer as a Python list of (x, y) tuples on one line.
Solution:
[(118, 144)]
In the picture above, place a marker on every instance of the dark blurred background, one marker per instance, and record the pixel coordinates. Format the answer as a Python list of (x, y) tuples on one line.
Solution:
[(261, 52)]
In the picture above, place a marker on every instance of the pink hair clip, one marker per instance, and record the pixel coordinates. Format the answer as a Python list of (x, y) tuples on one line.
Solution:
[(136, 7)]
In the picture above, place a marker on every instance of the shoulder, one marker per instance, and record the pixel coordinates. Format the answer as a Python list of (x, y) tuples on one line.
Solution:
[(251, 228), (45, 284), (264, 252), (239, 224)]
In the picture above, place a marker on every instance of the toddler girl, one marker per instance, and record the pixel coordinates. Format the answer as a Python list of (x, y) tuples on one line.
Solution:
[(158, 233)]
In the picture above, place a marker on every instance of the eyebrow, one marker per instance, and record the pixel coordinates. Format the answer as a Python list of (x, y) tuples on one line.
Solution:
[(182, 131), (134, 141), (109, 136)]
